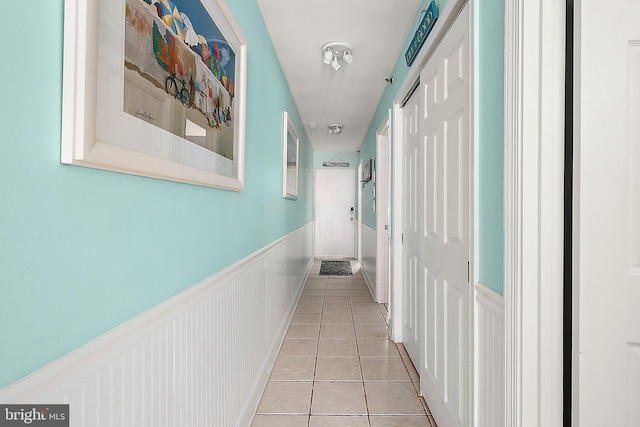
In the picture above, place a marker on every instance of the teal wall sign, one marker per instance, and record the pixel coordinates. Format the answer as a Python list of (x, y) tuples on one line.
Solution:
[(422, 32)]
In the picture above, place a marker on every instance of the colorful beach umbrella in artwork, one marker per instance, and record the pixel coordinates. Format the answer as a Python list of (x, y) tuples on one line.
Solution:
[(202, 49), (170, 14)]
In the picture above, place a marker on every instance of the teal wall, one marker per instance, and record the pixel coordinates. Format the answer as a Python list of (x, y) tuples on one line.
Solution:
[(490, 142), (368, 149), (83, 250), (489, 50)]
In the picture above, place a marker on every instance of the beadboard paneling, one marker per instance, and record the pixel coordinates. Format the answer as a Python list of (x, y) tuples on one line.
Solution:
[(369, 258), (490, 358), (201, 358)]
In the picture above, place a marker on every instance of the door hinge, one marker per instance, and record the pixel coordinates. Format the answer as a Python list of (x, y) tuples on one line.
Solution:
[(468, 272), (402, 235)]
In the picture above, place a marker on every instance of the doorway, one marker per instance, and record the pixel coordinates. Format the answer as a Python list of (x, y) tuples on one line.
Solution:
[(335, 213)]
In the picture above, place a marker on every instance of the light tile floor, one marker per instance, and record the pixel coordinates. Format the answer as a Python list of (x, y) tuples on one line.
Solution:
[(337, 366)]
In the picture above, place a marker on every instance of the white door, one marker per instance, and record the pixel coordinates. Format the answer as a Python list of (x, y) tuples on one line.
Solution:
[(607, 215), (446, 238), (437, 228), (335, 213), (411, 310)]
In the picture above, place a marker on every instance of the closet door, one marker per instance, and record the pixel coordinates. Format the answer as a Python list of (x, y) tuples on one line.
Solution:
[(446, 231), (606, 352), (413, 313)]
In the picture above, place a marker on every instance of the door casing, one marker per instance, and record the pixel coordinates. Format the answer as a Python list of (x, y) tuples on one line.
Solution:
[(533, 211), (382, 187)]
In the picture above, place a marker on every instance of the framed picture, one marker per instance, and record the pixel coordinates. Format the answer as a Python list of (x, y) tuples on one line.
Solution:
[(155, 88), (366, 171), (290, 152)]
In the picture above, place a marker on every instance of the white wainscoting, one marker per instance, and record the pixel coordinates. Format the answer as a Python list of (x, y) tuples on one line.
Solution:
[(369, 257), (201, 358), (490, 358)]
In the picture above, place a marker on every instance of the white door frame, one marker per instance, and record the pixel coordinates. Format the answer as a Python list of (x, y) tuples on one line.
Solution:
[(382, 203), (533, 208), (359, 212)]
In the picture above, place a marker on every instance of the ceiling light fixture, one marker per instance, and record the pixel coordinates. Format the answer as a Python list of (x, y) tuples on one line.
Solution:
[(333, 52), (327, 55), (335, 129)]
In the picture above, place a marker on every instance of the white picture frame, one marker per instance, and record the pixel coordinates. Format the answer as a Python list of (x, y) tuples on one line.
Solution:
[(290, 158), (97, 131)]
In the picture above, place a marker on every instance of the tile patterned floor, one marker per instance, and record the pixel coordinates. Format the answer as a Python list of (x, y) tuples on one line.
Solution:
[(337, 367)]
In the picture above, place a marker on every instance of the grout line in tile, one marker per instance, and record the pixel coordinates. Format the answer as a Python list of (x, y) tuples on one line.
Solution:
[(351, 285)]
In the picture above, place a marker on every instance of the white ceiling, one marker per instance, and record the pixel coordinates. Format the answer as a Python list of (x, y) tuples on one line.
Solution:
[(374, 29)]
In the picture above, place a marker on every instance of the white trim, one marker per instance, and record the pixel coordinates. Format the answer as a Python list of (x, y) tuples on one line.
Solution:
[(490, 299), (289, 128), (382, 203), (207, 351), (489, 383), (360, 223), (395, 304), (370, 258), (534, 150)]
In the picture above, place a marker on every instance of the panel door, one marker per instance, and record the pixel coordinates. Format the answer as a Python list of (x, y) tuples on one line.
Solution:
[(607, 215), (335, 208), (412, 310), (445, 373)]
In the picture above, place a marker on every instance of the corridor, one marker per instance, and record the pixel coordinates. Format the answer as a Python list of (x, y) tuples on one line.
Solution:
[(337, 367)]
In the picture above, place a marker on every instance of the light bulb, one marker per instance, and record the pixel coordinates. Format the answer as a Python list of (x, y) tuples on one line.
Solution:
[(347, 57), (335, 64), (327, 56)]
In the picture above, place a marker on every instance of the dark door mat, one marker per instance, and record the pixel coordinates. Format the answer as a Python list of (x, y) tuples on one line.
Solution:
[(335, 268)]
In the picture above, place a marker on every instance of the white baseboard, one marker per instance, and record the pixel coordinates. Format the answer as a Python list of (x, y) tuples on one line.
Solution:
[(200, 358), (490, 358)]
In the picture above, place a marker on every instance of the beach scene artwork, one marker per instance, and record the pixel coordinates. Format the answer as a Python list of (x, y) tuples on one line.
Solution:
[(179, 72)]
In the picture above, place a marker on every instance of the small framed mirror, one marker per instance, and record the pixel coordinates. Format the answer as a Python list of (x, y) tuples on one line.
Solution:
[(290, 150)]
